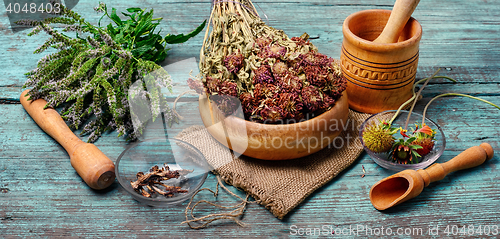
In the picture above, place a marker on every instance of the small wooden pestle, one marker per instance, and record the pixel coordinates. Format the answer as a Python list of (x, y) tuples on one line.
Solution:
[(408, 184), (93, 166), (400, 14)]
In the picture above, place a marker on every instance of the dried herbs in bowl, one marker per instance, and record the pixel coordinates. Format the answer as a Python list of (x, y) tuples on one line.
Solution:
[(278, 96), (275, 78)]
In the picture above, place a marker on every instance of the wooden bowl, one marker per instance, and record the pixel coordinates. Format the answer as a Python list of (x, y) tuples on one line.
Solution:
[(275, 141), (379, 76)]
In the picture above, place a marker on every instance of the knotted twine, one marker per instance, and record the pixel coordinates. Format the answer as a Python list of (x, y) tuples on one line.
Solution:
[(279, 186)]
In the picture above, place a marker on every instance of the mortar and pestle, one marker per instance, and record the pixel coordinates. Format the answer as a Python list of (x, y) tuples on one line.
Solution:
[(408, 184), (379, 56), (93, 166)]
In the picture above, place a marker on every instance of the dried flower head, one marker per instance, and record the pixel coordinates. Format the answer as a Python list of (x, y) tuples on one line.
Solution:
[(234, 62), (378, 137), (424, 137), (426, 144), (280, 69), (404, 152), (263, 75), (196, 86)]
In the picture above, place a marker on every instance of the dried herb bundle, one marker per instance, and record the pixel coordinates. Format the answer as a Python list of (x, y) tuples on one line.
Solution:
[(152, 182), (92, 72), (273, 76)]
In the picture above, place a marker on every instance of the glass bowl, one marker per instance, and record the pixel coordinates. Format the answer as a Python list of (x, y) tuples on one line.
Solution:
[(143, 155), (382, 159)]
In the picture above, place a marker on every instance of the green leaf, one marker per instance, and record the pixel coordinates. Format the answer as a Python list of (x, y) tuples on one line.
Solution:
[(115, 17), (111, 30), (126, 14), (137, 52), (176, 39), (133, 9), (145, 24), (151, 41), (415, 155), (119, 37), (411, 140), (161, 51), (416, 146)]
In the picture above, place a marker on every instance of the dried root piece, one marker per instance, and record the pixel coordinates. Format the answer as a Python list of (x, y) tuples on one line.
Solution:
[(152, 182)]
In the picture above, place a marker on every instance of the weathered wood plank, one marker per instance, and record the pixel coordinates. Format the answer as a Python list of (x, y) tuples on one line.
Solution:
[(42, 196)]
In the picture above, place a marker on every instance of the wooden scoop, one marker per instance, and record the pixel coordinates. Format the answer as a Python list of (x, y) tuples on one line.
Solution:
[(400, 14), (95, 168), (408, 184)]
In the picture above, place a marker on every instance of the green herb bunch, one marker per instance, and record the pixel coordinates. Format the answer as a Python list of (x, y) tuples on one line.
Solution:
[(91, 76)]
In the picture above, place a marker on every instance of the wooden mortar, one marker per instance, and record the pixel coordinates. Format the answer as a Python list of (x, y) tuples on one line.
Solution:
[(379, 76), (93, 166)]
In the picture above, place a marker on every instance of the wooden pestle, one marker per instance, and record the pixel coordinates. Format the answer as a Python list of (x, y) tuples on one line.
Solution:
[(408, 184), (400, 14), (93, 166)]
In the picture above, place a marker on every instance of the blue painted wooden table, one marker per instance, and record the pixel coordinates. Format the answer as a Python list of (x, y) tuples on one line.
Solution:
[(41, 195)]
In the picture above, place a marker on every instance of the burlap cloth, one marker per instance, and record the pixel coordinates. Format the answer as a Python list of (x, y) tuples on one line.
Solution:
[(280, 186)]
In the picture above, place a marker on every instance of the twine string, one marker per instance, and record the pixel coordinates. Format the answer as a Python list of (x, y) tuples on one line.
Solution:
[(233, 215), (174, 107)]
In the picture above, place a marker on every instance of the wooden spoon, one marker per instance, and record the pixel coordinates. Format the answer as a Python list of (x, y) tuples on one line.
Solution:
[(95, 168), (408, 184), (400, 14)]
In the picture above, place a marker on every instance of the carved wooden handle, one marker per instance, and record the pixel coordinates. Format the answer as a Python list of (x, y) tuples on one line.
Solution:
[(95, 168), (471, 157), (400, 14)]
